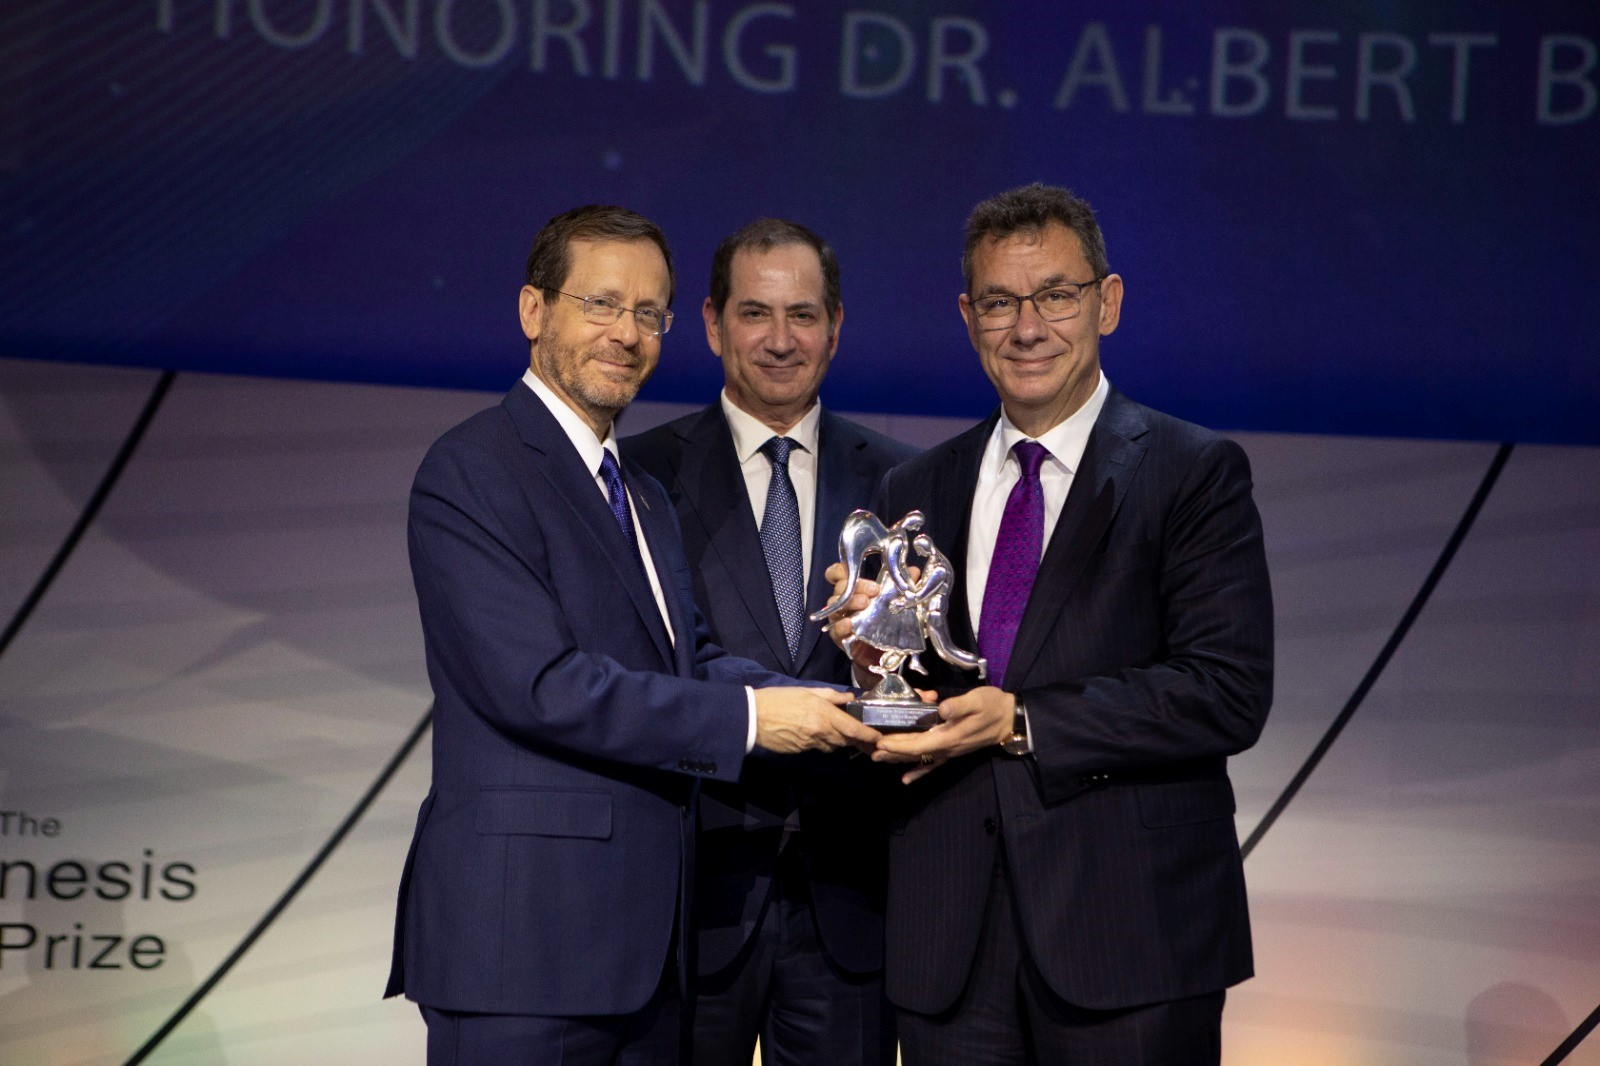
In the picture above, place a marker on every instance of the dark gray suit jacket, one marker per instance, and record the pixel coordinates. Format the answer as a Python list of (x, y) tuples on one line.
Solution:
[(1145, 659)]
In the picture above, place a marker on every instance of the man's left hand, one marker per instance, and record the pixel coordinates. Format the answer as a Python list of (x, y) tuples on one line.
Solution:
[(968, 722)]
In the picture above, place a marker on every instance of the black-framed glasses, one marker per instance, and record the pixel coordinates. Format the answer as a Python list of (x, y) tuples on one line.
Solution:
[(1055, 303), (603, 310)]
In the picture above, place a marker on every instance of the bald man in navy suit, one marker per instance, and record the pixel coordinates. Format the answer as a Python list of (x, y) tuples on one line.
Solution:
[(791, 859), (578, 702)]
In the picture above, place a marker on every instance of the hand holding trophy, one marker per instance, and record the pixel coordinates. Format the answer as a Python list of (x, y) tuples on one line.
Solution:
[(905, 616)]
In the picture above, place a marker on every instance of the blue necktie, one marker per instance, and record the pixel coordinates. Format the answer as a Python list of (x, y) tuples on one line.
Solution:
[(780, 543), (618, 497)]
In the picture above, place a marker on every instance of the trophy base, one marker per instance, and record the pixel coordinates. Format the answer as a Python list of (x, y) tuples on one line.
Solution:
[(894, 716)]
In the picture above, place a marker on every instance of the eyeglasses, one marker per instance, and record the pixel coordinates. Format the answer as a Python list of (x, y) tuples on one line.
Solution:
[(603, 310), (1054, 304)]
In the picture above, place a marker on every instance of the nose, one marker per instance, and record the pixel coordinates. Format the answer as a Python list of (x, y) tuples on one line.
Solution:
[(1030, 327), (780, 341), (625, 330)]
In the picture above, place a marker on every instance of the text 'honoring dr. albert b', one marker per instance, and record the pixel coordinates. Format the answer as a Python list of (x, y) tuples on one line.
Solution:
[(1354, 73)]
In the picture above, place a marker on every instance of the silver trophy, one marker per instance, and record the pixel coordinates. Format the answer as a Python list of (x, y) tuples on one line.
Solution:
[(902, 620)]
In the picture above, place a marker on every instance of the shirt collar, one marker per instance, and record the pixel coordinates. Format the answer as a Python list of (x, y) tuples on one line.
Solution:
[(572, 424), (1064, 441), (750, 433)]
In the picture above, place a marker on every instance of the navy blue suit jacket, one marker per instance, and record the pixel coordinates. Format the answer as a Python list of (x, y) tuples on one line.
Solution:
[(569, 732), (841, 803), (1145, 659)]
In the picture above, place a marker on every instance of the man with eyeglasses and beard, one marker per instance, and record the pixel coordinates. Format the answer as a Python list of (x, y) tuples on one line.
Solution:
[(1065, 885), (578, 703)]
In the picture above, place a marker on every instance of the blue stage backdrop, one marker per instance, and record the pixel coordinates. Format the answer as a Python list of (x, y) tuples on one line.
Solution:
[(1372, 218)]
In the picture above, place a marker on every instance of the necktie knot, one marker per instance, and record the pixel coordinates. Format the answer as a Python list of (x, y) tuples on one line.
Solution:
[(617, 497), (777, 450), (610, 471), (1030, 456)]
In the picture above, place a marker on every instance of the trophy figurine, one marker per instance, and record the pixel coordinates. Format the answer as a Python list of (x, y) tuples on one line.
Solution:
[(902, 620)]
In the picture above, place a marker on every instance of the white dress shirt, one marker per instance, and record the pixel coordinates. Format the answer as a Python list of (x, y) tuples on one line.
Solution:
[(749, 434), (999, 473)]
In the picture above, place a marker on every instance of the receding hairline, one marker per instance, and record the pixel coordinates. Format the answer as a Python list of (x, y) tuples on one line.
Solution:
[(549, 261), (749, 251), (778, 244), (600, 239), (767, 234)]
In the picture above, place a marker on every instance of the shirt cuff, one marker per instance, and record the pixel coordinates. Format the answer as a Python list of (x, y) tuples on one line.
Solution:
[(1027, 727), (750, 731)]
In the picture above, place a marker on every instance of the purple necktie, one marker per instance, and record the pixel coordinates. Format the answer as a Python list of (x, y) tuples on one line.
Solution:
[(1017, 551)]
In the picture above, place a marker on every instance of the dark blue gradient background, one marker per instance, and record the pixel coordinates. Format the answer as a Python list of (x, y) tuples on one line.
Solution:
[(182, 199)]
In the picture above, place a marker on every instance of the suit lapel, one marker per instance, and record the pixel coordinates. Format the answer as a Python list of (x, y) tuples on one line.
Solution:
[(713, 494), (563, 470), (950, 520), (843, 477), (655, 518), (1109, 463)]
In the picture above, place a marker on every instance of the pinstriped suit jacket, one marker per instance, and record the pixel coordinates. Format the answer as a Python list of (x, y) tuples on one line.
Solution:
[(1145, 658)]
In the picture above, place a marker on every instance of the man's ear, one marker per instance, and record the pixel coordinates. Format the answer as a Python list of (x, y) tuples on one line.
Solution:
[(968, 316), (530, 309), (838, 324), (1110, 304), (713, 327)]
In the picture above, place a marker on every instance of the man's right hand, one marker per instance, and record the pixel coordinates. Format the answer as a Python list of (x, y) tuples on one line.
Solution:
[(794, 719), (862, 655)]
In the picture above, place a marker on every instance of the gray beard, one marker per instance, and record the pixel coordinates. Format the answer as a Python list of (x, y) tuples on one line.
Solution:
[(556, 362)]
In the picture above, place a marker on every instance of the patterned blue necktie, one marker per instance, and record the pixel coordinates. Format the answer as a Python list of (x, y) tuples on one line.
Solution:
[(618, 497), (780, 542)]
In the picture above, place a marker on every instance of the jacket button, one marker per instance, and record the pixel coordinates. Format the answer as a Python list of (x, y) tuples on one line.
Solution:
[(683, 764), (710, 767), (990, 827)]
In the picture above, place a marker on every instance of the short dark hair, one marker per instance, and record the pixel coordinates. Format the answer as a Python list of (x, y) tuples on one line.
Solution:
[(1029, 209), (763, 235), (550, 261)]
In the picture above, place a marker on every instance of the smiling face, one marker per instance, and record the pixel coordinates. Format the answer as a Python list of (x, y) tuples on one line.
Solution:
[(1043, 371), (598, 369), (774, 334)]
